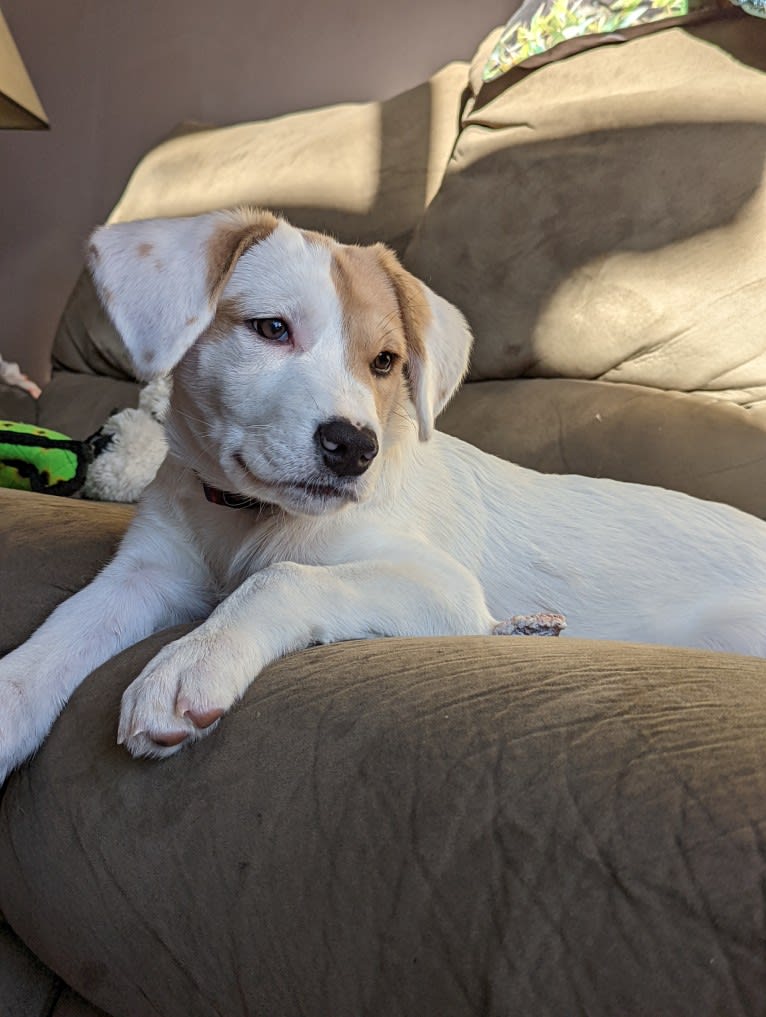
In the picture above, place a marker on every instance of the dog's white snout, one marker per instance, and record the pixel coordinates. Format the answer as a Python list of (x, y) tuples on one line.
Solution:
[(346, 450)]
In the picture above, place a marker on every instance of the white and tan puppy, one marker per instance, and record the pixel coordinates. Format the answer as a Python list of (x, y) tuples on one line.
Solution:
[(306, 497)]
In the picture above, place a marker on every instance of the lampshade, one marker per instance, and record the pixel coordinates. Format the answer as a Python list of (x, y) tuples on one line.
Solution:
[(19, 104)]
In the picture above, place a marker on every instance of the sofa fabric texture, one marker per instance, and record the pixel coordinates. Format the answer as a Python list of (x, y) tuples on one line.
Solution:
[(50, 548), (29, 989), (16, 404)]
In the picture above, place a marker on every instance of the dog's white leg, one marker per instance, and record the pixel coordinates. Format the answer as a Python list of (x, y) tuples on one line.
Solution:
[(129, 600), (191, 683)]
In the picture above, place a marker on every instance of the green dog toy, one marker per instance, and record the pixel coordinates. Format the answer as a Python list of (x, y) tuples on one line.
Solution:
[(36, 459)]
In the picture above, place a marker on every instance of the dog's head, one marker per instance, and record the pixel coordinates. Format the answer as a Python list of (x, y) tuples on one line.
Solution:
[(299, 361)]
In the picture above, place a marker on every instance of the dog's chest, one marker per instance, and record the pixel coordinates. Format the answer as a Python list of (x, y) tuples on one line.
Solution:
[(237, 542)]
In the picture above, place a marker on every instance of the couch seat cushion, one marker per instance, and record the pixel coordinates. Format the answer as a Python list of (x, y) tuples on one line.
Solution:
[(695, 444)]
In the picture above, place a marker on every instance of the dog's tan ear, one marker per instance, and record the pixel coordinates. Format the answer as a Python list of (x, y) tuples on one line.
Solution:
[(160, 279), (438, 341)]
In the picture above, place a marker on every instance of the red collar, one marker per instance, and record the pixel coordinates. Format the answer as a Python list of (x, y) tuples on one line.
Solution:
[(228, 499)]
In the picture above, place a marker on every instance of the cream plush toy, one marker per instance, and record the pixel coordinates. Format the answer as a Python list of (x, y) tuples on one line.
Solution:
[(130, 447)]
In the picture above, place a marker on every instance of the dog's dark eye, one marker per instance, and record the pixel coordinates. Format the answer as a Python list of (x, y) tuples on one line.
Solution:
[(273, 329), (383, 363)]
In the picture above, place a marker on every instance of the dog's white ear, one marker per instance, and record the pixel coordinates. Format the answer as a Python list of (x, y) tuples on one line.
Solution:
[(438, 339), (160, 279)]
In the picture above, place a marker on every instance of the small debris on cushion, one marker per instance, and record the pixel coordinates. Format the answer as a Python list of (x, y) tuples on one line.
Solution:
[(542, 624)]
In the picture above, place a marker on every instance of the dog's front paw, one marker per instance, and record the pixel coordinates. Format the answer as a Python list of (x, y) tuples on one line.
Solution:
[(25, 718), (179, 697)]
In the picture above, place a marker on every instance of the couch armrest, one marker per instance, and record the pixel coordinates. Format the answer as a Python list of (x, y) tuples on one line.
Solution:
[(49, 548), (446, 827)]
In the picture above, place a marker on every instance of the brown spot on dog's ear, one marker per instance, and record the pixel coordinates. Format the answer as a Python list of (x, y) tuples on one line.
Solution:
[(245, 229), (191, 321), (145, 249), (413, 305)]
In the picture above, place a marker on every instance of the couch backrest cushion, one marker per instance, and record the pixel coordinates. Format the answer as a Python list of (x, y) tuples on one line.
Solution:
[(604, 218), (361, 171)]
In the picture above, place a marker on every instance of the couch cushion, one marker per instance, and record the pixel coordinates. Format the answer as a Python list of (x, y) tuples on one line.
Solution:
[(361, 171), (452, 827), (603, 218), (86, 340), (70, 1004), (27, 987), (49, 548), (16, 404), (688, 443), (78, 404)]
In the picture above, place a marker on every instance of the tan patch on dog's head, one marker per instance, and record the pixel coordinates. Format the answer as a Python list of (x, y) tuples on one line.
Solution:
[(229, 314), (144, 250), (372, 321), (320, 239), (246, 228), (413, 305)]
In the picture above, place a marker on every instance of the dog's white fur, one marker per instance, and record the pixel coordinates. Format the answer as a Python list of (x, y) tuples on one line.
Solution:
[(435, 538)]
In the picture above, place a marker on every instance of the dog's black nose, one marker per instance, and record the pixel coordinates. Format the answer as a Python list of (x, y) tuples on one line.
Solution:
[(346, 450)]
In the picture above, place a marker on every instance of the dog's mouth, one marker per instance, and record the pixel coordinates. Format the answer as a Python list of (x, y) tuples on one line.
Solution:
[(313, 488)]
